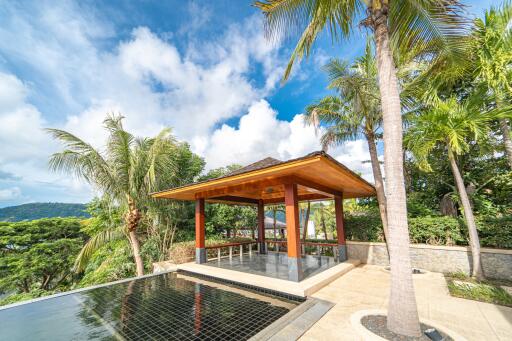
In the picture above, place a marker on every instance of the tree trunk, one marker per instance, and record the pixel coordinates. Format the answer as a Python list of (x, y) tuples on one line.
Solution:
[(306, 222), (274, 213), (474, 241), (136, 253), (402, 312), (507, 141), (324, 227), (132, 220), (379, 184)]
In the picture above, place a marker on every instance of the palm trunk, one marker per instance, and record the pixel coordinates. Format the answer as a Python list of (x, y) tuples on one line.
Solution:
[(136, 253), (132, 219), (379, 184), (324, 227), (306, 221), (402, 312), (507, 141), (474, 241)]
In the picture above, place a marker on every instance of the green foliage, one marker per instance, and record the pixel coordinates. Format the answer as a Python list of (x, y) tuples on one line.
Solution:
[(437, 231), (364, 227), (40, 210), (434, 230), (229, 218), (38, 254), (495, 231), (111, 262)]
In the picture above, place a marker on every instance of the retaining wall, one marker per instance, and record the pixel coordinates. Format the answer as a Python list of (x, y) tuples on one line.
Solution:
[(497, 263)]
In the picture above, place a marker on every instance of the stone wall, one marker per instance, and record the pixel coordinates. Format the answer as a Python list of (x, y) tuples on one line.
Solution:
[(497, 263)]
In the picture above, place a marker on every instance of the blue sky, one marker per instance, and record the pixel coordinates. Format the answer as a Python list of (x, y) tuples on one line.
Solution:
[(204, 68)]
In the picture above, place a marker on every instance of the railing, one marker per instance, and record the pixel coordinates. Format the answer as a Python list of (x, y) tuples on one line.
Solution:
[(230, 247), (318, 248), (324, 248)]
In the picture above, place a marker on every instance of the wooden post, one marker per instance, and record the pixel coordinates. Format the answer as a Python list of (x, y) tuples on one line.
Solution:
[(200, 243), (293, 232), (261, 227), (340, 228)]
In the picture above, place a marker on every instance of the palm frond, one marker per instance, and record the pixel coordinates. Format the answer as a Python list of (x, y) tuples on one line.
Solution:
[(82, 160), (285, 18), (97, 241)]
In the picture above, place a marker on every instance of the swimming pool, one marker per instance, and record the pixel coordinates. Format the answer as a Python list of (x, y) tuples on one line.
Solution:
[(171, 306)]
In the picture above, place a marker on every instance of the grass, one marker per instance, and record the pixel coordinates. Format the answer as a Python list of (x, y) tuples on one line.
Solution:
[(484, 291)]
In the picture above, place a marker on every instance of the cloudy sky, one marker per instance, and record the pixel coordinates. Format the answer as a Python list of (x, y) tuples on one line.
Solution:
[(203, 68)]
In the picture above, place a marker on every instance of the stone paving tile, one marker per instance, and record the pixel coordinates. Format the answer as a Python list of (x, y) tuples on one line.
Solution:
[(367, 287)]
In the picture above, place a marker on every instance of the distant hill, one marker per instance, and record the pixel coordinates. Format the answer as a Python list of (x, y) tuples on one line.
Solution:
[(40, 210)]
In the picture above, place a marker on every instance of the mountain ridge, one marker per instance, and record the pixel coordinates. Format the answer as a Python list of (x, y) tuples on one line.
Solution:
[(39, 210)]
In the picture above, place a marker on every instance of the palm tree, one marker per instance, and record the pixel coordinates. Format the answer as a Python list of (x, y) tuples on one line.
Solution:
[(397, 25), (453, 125), (355, 113), (305, 221), (492, 46), (324, 215), (128, 170)]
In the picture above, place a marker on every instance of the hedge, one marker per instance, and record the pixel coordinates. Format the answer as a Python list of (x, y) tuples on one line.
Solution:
[(493, 232)]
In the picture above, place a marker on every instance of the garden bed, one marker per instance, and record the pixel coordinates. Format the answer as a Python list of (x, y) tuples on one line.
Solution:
[(489, 291)]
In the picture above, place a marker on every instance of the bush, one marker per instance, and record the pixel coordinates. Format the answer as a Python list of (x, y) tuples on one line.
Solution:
[(495, 232), (434, 230), (183, 252), (364, 227)]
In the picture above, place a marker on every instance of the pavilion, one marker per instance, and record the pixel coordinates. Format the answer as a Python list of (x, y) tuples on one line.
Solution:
[(314, 177)]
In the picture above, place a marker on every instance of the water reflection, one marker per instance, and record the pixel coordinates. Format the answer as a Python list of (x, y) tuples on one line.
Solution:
[(170, 306), (275, 264)]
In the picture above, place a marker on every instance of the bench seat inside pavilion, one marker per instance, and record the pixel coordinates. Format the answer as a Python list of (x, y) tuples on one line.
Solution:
[(314, 177)]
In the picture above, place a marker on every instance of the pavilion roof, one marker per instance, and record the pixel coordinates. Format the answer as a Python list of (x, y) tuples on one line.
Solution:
[(318, 176)]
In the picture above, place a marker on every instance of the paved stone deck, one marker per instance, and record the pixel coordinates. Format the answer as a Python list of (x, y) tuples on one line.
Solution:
[(367, 287)]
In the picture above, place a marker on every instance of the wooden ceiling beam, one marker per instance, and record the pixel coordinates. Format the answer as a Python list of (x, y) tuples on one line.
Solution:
[(304, 197), (233, 199)]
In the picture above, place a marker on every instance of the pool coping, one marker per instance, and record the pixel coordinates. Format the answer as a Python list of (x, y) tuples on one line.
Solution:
[(296, 322)]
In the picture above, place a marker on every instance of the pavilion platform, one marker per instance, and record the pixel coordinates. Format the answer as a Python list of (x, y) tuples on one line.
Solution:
[(274, 278)]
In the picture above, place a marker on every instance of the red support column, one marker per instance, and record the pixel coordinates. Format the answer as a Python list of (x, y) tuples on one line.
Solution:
[(200, 243), (293, 232), (261, 227), (340, 228)]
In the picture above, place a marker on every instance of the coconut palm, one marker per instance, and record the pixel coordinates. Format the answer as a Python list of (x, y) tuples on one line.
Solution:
[(323, 216), (397, 25), (453, 125), (355, 113), (128, 170), (492, 42)]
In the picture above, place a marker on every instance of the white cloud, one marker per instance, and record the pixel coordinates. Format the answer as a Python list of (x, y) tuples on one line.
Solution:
[(21, 136), (10, 193), (261, 134), (147, 79), (355, 155)]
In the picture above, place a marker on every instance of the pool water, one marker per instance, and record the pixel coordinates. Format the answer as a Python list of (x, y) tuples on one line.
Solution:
[(172, 306)]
